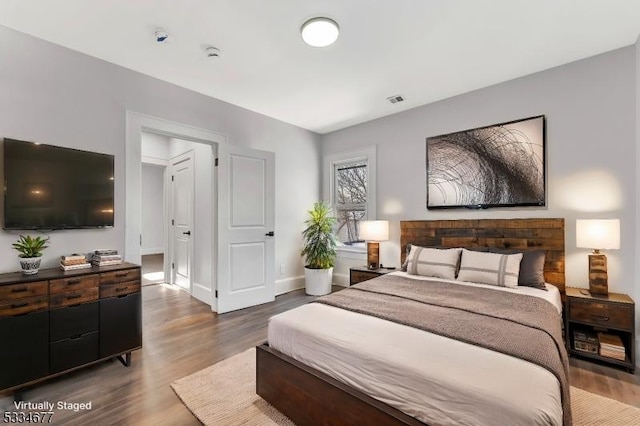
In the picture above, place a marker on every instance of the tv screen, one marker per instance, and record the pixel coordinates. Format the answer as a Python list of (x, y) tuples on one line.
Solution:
[(50, 187)]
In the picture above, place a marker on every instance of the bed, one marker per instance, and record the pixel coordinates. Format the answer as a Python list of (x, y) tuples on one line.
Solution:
[(326, 364)]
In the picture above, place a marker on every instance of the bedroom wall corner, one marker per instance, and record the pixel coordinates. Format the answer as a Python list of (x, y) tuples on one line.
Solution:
[(637, 198)]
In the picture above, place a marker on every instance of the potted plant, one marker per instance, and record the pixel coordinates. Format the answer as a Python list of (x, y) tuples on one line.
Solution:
[(30, 249), (319, 249)]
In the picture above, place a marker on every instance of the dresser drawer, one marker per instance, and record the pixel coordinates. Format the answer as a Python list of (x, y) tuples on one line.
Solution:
[(73, 283), (19, 291), (73, 321), (11, 307), (601, 313), (119, 276), (74, 297), (119, 289), (69, 353)]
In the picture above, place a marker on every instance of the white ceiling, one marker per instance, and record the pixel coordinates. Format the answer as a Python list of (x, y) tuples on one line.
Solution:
[(425, 50)]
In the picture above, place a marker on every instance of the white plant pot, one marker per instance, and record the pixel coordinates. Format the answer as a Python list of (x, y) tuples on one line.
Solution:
[(30, 265), (318, 281)]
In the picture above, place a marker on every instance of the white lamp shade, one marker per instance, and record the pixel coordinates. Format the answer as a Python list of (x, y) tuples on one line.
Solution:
[(598, 233), (320, 32), (374, 230)]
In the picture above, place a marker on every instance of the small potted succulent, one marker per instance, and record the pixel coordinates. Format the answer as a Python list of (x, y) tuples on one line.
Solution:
[(30, 249)]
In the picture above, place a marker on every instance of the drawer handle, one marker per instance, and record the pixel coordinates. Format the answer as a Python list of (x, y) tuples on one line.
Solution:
[(19, 290), (74, 296), (121, 288), (19, 305), (599, 318), (72, 282), (122, 274)]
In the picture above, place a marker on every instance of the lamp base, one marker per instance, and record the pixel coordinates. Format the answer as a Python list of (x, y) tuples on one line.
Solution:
[(373, 255), (598, 280)]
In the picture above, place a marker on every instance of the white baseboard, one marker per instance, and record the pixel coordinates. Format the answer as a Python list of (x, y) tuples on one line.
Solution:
[(145, 251), (286, 285), (202, 293)]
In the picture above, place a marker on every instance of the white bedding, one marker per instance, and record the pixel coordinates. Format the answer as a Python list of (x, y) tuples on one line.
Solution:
[(438, 380)]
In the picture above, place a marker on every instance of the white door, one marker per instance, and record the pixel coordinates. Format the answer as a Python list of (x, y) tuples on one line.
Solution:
[(246, 219), (182, 219)]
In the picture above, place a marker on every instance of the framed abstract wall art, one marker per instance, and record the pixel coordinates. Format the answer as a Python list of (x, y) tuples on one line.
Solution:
[(502, 165)]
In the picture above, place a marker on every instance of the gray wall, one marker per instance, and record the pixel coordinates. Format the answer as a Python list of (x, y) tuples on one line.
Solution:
[(591, 146), (57, 96)]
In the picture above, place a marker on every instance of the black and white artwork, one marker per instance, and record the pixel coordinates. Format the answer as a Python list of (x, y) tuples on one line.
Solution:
[(501, 165)]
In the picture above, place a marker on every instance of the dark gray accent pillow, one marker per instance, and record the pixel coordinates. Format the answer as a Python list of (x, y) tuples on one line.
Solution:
[(531, 267)]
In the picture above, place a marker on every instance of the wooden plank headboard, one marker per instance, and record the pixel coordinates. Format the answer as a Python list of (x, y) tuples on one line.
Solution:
[(518, 234)]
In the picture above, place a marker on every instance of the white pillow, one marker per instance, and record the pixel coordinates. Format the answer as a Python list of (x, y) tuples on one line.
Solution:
[(431, 262), (490, 268)]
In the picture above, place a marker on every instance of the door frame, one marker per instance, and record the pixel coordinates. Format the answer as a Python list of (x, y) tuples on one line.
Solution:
[(136, 124)]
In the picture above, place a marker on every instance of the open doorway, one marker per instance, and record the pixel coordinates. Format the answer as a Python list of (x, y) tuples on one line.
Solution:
[(176, 225), (236, 211), (152, 239)]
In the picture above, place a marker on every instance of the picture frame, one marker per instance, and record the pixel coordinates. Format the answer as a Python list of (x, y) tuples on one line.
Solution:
[(501, 165)]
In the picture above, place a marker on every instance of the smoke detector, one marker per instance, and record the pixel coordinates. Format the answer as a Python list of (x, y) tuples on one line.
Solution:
[(161, 36), (212, 52), (395, 99)]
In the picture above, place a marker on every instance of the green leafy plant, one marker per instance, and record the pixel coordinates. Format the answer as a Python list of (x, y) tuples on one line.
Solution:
[(319, 240), (29, 246)]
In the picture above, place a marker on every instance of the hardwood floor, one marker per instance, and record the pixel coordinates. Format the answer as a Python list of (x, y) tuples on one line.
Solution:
[(181, 336), (152, 269)]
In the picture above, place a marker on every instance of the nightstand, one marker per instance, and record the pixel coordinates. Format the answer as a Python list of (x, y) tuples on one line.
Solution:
[(587, 315), (357, 274)]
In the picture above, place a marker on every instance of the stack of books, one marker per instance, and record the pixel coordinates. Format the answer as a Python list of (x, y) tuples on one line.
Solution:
[(611, 346), (105, 257), (585, 342), (74, 261)]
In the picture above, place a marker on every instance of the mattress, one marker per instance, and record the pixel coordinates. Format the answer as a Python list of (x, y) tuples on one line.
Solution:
[(439, 381)]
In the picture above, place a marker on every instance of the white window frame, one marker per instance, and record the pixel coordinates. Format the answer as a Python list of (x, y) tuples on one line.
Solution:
[(330, 162)]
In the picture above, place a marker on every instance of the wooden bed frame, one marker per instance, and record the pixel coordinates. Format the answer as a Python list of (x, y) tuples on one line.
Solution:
[(310, 397)]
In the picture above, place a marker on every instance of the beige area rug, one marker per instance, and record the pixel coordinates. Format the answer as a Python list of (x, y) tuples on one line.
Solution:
[(224, 394)]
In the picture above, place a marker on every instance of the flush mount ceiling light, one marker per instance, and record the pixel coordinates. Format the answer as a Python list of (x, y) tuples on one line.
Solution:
[(320, 32)]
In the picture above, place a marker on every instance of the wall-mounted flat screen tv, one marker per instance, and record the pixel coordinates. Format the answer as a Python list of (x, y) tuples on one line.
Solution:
[(50, 187)]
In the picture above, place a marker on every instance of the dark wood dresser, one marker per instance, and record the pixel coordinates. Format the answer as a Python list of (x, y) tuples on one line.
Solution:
[(56, 321)]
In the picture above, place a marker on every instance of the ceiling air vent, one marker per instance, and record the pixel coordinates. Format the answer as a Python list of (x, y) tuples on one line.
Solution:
[(395, 99)]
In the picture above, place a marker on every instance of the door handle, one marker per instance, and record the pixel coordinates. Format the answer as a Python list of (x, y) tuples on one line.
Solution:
[(187, 233), (269, 234)]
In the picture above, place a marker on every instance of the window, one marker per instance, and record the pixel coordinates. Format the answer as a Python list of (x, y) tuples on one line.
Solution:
[(349, 184), (350, 199)]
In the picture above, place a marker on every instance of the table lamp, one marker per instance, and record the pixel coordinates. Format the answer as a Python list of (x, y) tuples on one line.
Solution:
[(598, 234), (374, 231)]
